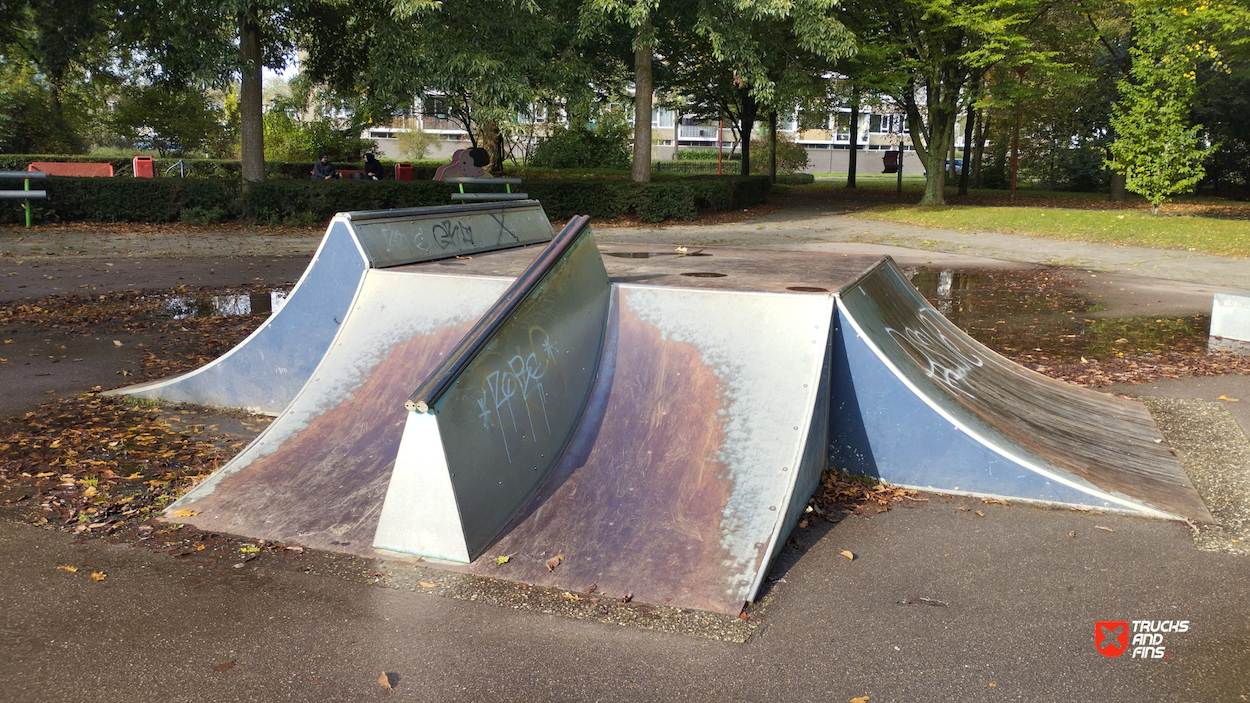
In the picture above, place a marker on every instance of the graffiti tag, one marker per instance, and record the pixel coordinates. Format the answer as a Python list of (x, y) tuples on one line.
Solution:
[(948, 363), (520, 380)]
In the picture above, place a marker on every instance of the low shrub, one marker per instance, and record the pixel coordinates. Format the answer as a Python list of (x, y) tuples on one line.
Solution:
[(726, 166), (208, 168), (580, 148), (211, 201)]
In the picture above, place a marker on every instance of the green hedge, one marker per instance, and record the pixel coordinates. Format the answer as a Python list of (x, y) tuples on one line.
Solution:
[(305, 201), (728, 167), (205, 168)]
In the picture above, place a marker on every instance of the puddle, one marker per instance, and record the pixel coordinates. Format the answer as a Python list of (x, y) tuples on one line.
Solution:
[(1048, 313), (181, 308), (640, 254)]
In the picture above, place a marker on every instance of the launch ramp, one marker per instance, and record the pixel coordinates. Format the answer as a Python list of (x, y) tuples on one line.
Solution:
[(266, 370), (919, 403)]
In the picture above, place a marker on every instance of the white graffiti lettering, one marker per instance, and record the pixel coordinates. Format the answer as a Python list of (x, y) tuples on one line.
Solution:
[(948, 364), (521, 379)]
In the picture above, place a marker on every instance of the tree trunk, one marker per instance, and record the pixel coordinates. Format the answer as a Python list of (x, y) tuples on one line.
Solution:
[(749, 110), (492, 140), (643, 86), (979, 157), (969, 123), (251, 126), (850, 166), (772, 146), (1118, 183), (950, 159)]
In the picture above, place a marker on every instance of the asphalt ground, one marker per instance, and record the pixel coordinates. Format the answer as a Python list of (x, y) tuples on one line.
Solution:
[(940, 602)]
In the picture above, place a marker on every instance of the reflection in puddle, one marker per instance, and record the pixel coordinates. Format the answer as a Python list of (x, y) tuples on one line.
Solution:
[(180, 308), (1048, 315), (639, 254)]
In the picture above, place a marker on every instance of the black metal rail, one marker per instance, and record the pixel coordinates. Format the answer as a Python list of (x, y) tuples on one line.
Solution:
[(433, 388)]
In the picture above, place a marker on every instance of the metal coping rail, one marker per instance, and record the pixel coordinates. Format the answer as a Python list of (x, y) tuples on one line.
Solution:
[(365, 215), (438, 383)]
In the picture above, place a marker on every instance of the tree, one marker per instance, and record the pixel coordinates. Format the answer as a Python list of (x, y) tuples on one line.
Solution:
[(1156, 148), (181, 121), (937, 47)]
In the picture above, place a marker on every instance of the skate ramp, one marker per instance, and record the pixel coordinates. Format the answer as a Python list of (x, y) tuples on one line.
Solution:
[(265, 371), (919, 403), (317, 475), (663, 442)]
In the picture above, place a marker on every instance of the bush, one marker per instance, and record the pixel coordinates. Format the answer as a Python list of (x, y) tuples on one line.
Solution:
[(570, 148), (707, 154), (307, 202), (203, 168), (727, 167), (791, 158)]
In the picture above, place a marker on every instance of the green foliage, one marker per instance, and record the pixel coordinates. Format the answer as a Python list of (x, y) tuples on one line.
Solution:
[(582, 148), (288, 139), (171, 121), (210, 201), (727, 167), (791, 157), (415, 143), (1155, 148), (706, 154), (27, 122)]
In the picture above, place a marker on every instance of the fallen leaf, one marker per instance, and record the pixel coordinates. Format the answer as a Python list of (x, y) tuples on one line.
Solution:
[(427, 584), (500, 561), (1100, 527), (45, 474), (1072, 533), (553, 562), (98, 575), (297, 550), (592, 587), (980, 513), (70, 569), (850, 556), (965, 510), (224, 666), (571, 596), (628, 597), (116, 343), (1224, 397), (992, 684), (995, 501), (185, 513), (861, 699), (384, 681)]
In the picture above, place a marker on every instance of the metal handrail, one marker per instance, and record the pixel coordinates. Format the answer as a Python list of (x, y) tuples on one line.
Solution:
[(182, 173), (27, 194)]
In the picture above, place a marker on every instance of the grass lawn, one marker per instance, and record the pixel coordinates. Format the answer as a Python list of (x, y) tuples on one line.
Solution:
[(1222, 236)]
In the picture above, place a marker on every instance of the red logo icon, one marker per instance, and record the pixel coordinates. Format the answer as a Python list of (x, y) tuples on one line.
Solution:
[(1111, 637)]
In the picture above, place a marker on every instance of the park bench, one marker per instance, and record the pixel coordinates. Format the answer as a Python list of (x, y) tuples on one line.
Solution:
[(347, 173), (26, 194), (507, 183), (66, 168)]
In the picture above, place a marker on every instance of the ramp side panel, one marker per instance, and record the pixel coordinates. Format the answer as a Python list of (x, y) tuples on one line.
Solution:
[(1095, 439), (675, 486), (317, 476), (267, 369), (426, 234), (513, 409), (880, 428)]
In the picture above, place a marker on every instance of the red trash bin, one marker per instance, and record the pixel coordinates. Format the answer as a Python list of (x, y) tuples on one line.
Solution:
[(144, 168), (403, 172)]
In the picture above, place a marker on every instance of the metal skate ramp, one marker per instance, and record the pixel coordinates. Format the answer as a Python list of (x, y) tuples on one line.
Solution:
[(317, 475), (660, 441), (265, 371), (919, 403)]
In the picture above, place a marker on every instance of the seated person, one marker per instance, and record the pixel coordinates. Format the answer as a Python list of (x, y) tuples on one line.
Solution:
[(323, 170), (373, 168)]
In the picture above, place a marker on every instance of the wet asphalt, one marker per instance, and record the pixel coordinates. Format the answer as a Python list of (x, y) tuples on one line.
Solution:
[(1010, 597)]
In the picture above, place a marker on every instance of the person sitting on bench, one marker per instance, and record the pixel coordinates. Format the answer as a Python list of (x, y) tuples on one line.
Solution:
[(323, 170), (373, 168)]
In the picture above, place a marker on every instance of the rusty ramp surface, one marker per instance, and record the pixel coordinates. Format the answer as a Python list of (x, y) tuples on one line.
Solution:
[(317, 475), (265, 371), (919, 403), (660, 442)]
